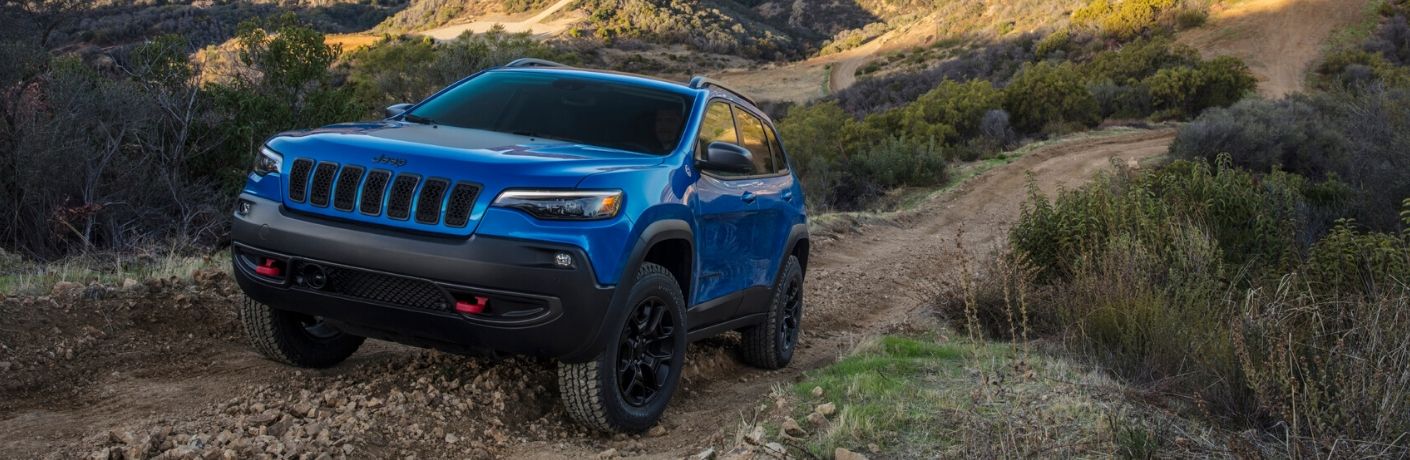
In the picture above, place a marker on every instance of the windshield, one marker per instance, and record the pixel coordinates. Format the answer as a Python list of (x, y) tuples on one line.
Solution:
[(562, 107)]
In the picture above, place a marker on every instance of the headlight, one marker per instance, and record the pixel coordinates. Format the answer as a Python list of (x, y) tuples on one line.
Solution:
[(563, 204), (268, 161)]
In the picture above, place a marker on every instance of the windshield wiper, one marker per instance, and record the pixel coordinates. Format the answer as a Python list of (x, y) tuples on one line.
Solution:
[(414, 118)]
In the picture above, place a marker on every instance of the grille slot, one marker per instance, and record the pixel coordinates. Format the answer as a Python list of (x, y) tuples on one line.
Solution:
[(462, 200), (387, 289), (399, 204), (373, 191), (322, 184), (428, 206), (298, 179), (345, 192)]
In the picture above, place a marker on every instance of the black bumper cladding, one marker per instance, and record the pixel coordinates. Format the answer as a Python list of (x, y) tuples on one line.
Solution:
[(402, 287)]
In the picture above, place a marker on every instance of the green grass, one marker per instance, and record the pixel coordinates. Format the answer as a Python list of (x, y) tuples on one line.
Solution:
[(929, 396)]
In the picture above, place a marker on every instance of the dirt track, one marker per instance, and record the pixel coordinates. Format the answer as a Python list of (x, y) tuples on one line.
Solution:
[(189, 383), (1278, 39)]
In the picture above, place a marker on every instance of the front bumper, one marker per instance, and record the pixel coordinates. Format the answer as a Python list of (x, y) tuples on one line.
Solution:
[(402, 287)]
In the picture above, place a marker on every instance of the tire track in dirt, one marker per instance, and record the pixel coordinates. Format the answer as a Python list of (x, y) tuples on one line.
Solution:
[(859, 285)]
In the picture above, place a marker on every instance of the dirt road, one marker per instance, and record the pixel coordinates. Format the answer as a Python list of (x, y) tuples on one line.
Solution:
[(191, 385), (534, 24), (1278, 39)]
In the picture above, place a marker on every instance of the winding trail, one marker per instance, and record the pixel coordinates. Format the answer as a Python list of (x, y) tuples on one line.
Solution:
[(533, 25)]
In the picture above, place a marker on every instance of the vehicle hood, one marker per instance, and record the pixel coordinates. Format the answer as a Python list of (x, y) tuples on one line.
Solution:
[(490, 160)]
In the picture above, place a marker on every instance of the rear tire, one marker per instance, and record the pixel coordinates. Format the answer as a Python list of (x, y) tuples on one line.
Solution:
[(770, 345), (626, 388), (293, 338)]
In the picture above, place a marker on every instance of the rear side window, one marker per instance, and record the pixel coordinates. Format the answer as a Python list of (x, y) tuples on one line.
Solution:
[(780, 161), (752, 137), (718, 126)]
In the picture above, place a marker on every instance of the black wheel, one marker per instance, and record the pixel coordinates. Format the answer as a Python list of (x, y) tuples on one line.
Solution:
[(770, 345), (293, 338), (627, 387)]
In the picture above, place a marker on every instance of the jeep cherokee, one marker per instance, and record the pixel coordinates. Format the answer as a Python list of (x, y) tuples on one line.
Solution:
[(601, 219)]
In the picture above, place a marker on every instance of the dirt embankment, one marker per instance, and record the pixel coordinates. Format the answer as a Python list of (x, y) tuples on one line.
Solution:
[(160, 368), (1279, 39)]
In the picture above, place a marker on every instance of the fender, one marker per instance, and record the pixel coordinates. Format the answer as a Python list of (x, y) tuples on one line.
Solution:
[(658, 231), (798, 233)]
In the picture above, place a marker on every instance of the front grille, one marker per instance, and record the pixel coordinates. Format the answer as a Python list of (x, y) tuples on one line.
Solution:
[(387, 289), (322, 182), (428, 205), (399, 204), (373, 191), (346, 191), (298, 179), (462, 199), (353, 188)]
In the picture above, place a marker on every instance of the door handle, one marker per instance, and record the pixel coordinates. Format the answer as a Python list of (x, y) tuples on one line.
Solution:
[(748, 197), (788, 195)]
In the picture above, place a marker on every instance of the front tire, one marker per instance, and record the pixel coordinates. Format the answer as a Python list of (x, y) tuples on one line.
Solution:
[(293, 338), (770, 345), (626, 388)]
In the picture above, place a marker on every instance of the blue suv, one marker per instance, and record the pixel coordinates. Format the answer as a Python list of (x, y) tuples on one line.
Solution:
[(601, 219)]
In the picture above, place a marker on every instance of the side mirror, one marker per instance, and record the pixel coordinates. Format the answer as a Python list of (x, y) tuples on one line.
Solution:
[(726, 157), (397, 109)]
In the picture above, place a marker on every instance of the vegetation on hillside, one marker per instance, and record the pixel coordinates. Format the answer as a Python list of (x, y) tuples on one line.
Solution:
[(1260, 278), (984, 101), (75, 135), (200, 23)]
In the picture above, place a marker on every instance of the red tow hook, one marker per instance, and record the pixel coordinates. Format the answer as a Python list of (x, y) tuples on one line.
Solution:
[(472, 308), (268, 268)]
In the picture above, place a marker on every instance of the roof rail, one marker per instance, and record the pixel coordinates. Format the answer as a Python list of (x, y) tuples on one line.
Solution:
[(533, 62), (701, 81)]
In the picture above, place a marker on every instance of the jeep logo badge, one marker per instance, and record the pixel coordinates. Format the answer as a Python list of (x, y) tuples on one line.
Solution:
[(386, 160)]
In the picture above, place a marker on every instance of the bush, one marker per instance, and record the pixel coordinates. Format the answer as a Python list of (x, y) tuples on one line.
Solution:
[(1359, 138), (1185, 91), (1194, 278), (1139, 59), (1122, 19), (949, 113), (1046, 95), (995, 62)]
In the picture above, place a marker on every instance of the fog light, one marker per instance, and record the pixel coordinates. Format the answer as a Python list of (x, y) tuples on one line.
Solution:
[(563, 259), (244, 207)]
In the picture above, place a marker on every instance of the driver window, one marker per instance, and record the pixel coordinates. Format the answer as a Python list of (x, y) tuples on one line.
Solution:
[(718, 126)]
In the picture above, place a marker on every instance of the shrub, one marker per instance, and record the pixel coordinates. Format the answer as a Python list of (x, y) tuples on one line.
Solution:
[(1122, 18), (995, 62), (1192, 277), (1360, 138), (1185, 91), (949, 113), (1046, 94), (1139, 59)]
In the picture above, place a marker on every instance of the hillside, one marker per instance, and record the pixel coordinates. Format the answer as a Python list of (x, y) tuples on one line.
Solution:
[(1279, 39)]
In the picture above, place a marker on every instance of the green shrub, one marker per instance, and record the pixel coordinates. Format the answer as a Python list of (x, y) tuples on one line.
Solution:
[(1122, 18), (1139, 59), (947, 114), (1186, 91), (1044, 95)]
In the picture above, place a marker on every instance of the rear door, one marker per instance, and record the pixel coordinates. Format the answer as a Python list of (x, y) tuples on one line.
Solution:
[(773, 190), (727, 217)]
